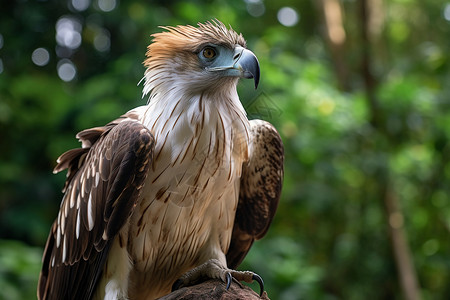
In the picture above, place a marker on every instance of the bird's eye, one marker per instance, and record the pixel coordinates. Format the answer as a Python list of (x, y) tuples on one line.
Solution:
[(209, 52)]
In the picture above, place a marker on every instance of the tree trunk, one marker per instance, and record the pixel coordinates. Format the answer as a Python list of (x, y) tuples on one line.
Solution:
[(402, 253), (335, 36), (394, 216)]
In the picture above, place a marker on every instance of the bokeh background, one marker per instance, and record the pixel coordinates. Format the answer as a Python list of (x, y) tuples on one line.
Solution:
[(359, 90)]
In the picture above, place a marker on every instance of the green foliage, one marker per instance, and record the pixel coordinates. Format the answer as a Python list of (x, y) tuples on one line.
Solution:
[(330, 237), (19, 270)]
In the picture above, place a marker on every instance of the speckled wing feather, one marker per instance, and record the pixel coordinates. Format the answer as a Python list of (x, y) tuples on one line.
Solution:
[(260, 190), (104, 180)]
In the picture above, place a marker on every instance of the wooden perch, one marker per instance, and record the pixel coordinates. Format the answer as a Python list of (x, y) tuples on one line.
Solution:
[(215, 289)]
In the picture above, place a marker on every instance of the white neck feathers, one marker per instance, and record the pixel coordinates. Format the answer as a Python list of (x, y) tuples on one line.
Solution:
[(206, 119)]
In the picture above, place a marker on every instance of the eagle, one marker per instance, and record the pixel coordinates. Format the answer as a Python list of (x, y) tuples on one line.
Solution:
[(174, 191)]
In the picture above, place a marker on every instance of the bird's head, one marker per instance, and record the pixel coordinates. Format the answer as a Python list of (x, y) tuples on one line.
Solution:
[(209, 57)]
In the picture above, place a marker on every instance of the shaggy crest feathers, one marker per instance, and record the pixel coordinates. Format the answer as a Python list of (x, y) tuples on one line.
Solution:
[(191, 39)]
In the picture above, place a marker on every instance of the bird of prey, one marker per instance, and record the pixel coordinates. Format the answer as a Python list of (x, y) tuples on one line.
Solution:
[(171, 192)]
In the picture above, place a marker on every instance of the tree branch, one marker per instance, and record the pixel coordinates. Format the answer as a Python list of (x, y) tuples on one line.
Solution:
[(214, 289)]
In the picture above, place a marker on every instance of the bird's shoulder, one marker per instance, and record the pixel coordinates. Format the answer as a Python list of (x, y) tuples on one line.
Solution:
[(104, 180), (260, 190)]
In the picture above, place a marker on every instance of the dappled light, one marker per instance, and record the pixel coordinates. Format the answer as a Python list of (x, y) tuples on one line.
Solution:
[(80, 5), (255, 8), (68, 32), (40, 57), (287, 16), (447, 12), (66, 70), (106, 5)]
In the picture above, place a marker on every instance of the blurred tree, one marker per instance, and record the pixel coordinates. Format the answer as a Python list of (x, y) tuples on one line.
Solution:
[(359, 93)]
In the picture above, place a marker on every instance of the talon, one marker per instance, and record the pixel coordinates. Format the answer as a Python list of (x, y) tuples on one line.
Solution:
[(177, 284), (229, 279), (260, 281)]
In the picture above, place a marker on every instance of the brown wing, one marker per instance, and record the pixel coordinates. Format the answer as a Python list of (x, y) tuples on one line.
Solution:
[(104, 180), (260, 190)]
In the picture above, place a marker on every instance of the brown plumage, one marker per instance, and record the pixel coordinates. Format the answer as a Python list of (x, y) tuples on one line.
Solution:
[(179, 183)]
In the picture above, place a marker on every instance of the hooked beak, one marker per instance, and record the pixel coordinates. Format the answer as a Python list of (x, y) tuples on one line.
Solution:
[(247, 64)]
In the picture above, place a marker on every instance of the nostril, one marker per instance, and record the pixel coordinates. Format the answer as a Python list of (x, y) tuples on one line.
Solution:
[(236, 56)]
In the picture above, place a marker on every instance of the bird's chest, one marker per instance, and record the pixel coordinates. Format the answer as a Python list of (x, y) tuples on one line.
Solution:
[(187, 207)]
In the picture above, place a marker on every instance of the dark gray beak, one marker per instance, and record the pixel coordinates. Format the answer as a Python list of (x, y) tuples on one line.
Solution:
[(248, 64)]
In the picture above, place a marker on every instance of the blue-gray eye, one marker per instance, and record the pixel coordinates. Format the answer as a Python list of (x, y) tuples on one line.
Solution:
[(209, 52)]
